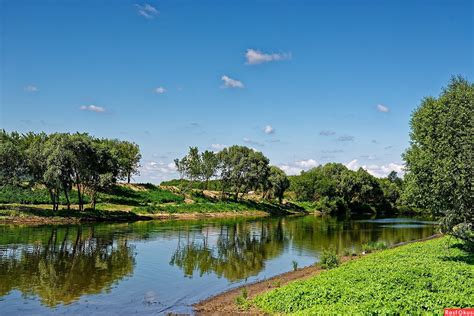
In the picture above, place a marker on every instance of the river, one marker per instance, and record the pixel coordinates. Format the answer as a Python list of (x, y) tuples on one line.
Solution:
[(157, 267)]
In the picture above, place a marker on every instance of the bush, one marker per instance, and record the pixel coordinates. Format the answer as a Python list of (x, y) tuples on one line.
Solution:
[(329, 259)]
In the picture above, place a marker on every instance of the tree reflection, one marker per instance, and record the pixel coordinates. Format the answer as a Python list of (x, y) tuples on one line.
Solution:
[(240, 250), (72, 262)]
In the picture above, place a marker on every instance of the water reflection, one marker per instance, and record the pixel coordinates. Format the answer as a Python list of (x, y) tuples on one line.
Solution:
[(170, 265), (239, 251), (70, 263)]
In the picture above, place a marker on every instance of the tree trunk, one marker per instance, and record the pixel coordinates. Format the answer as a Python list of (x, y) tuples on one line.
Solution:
[(67, 199), (51, 196), (79, 196), (128, 177)]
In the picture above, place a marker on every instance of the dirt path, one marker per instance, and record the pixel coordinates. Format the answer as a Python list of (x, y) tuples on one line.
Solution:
[(224, 303)]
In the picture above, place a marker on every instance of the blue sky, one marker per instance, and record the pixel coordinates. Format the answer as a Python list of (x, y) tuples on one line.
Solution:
[(305, 82)]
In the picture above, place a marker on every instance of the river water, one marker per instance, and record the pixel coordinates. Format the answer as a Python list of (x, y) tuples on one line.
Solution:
[(157, 267)]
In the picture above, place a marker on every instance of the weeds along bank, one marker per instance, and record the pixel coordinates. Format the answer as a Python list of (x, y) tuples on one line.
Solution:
[(423, 277)]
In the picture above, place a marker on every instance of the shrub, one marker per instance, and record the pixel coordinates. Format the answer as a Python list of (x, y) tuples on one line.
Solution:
[(329, 259), (295, 265)]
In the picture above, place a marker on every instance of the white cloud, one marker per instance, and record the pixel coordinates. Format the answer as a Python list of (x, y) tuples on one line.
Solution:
[(160, 90), (147, 11), (92, 108), (31, 88), (269, 129), (218, 146), (382, 108), (298, 166), (231, 83), (255, 57), (377, 170), (307, 164)]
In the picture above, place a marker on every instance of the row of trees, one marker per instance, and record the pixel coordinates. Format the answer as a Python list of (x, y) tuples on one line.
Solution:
[(239, 169), (336, 188), (62, 161)]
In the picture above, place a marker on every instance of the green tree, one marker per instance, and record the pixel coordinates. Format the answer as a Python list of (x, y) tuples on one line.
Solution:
[(189, 167), (278, 182), (242, 168), (209, 163), (439, 161), (11, 158)]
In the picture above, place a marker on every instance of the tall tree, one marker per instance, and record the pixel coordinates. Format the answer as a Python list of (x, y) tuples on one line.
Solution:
[(11, 158), (242, 168), (209, 163), (278, 182), (439, 161)]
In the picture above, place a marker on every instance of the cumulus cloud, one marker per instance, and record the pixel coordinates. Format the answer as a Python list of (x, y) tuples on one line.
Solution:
[(217, 147), (345, 138), (382, 108), (157, 171), (255, 57), (252, 142), (377, 170), (147, 10), (31, 88), (269, 129), (160, 90), (92, 108), (296, 167), (231, 83), (327, 133)]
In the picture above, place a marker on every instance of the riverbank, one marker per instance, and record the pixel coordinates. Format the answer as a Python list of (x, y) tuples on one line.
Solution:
[(132, 202), (42, 214), (414, 270)]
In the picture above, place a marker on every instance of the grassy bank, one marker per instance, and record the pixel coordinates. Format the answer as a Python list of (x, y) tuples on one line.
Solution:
[(128, 202), (422, 277)]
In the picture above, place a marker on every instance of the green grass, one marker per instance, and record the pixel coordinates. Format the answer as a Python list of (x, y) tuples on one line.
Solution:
[(27, 195), (217, 206), (25, 211), (419, 278), (121, 195), (149, 193)]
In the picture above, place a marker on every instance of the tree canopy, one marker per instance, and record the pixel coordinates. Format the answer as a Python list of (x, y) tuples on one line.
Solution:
[(439, 161)]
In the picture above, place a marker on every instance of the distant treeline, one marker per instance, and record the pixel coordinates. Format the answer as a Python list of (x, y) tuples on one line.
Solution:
[(331, 188), (334, 188), (62, 161), (237, 169)]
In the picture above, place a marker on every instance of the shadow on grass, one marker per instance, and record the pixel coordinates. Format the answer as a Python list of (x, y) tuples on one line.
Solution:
[(466, 257), (85, 215)]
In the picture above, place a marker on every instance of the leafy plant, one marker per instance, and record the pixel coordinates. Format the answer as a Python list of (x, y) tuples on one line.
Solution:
[(295, 265), (418, 278), (329, 259)]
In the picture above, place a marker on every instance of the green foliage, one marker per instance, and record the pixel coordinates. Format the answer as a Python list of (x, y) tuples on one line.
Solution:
[(373, 246), (28, 195), (146, 194), (439, 162), (413, 279), (61, 161), (334, 189), (242, 300), (242, 169), (329, 259), (277, 182), (295, 265)]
